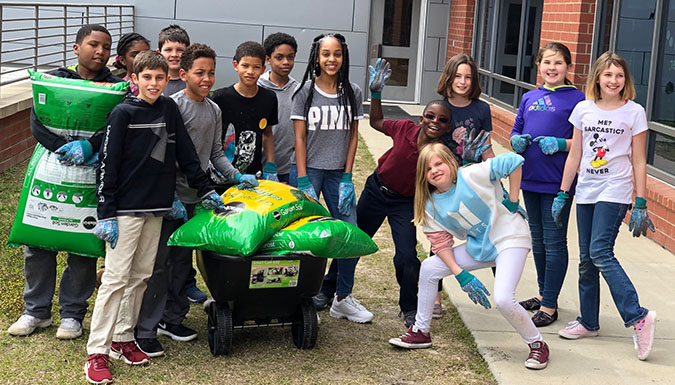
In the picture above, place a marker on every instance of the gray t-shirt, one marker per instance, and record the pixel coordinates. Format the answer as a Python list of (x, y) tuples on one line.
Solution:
[(174, 86), (327, 126), (284, 136), (203, 121)]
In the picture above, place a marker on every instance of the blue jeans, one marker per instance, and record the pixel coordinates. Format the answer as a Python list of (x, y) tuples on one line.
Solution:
[(549, 245), (598, 227), (340, 276)]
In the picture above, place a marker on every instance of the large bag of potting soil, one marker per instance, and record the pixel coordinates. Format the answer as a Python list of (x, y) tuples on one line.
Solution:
[(249, 218), (320, 237), (57, 207)]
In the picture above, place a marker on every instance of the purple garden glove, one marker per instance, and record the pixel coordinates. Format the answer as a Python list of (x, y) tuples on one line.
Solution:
[(346, 194), (106, 230), (549, 145), (213, 201), (639, 218), (270, 172), (474, 288), (520, 142), (74, 153), (177, 211), (305, 186)]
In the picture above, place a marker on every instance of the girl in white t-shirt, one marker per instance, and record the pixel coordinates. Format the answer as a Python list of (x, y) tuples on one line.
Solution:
[(608, 149)]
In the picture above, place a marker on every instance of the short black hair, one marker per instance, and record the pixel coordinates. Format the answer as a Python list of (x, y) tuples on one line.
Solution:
[(87, 29), (194, 52), (279, 38), (150, 60), (173, 32), (250, 48)]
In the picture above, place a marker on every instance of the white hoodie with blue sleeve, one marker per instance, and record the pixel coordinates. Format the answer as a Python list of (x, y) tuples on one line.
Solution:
[(472, 209)]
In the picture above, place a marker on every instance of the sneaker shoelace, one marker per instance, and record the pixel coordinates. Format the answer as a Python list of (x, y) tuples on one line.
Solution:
[(572, 325), (535, 353), (356, 303), (100, 361)]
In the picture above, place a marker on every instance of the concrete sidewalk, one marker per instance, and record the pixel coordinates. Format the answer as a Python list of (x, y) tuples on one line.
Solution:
[(607, 359)]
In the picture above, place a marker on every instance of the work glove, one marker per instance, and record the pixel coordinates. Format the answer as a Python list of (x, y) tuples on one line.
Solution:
[(472, 145), (549, 145), (74, 153), (558, 205), (177, 212), (213, 201), (378, 76), (509, 204), (93, 161), (639, 218), (270, 172), (107, 231), (474, 288), (245, 181), (520, 142), (346, 194), (305, 186)]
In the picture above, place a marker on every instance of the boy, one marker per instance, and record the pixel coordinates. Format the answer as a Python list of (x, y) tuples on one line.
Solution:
[(173, 41), (280, 49), (144, 139), (92, 47), (251, 110), (165, 299)]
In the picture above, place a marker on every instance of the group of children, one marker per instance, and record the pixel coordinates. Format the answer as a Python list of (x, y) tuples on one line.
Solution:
[(306, 134)]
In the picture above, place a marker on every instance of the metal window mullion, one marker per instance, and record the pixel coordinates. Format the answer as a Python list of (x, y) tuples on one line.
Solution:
[(493, 45), (476, 27), (597, 18), (616, 11), (521, 38), (653, 62)]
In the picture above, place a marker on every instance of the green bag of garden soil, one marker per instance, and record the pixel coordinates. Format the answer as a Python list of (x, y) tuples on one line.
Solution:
[(57, 207), (320, 237), (249, 218)]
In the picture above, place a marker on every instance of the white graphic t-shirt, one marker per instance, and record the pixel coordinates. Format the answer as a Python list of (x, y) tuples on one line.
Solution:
[(606, 169)]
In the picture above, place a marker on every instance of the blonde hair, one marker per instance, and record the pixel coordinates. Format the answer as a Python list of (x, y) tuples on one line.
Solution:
[(424, 189), (604, 61), (444, 87)]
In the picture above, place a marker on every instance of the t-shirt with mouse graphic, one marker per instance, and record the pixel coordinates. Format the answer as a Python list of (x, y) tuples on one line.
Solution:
[(606, 169)]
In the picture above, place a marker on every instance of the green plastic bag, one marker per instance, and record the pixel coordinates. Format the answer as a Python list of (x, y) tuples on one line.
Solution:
[(321, 237), (249, 218), (74, 108), (57, 207)]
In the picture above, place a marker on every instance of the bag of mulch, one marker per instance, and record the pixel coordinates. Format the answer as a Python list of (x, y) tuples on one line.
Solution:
[(320, 237), (250, 217), (57, 207)]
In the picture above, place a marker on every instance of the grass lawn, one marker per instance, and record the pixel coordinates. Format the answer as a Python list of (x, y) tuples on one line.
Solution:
[(346, 353)]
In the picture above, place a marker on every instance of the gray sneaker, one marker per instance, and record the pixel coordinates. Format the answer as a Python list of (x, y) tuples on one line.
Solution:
[(26, 324), (69, 329), (321, 301)]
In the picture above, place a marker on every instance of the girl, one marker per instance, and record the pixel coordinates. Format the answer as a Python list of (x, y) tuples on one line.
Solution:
[(609, 121), (130, 45), (325, 113), (543, 115), (469, 204)]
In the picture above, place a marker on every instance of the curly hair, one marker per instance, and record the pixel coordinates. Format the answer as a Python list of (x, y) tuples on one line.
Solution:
[(276, 39), (194, 52)]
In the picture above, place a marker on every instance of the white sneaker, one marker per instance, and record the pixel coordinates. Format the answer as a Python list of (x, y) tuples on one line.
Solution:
[(351, 309), (26, 324), (69, 329)]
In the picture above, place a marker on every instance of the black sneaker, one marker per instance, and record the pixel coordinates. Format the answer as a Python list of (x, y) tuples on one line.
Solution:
[(176, 332), (531, 304), (543, 319), (150, 346), (321, 301)]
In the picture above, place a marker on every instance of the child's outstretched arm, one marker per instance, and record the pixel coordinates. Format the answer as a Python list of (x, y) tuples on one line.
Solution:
[(376, 116)]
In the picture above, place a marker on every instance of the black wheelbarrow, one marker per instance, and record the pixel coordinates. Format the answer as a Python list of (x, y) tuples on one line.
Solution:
[(259, 291)]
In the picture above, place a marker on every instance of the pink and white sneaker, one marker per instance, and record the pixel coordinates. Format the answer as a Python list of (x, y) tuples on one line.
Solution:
[(644, 335), (576, 330)]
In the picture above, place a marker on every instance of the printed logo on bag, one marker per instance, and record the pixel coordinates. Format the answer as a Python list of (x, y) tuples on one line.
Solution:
[(542, 104), (231, 208), (277, 215), (89, 223)]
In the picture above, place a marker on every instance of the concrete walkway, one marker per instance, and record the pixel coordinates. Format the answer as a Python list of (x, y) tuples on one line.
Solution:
[(607, 359)]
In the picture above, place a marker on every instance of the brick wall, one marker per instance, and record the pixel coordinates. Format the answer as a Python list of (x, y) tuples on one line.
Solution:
[(17, 143), (460, 27)]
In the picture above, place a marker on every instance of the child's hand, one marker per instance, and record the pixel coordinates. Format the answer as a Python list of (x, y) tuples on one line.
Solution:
[(93, 161), (177, 211), (519, 209), (107, 231), (472, 145), (246, 181), (74, 153), (346, 194), (520, 142), (549, 145), (305, 186), (213, 201), (639, 218), (378, 76), (559, 203), (270, 172), (474, 288)]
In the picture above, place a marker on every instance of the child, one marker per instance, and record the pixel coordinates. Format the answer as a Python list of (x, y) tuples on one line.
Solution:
[(543, 115), (129, 45), (469, 204), (165, 303), (251, 110), (144, 139), (325, 114), (280, 49), (611, 121), (92, 47), (173, 41)]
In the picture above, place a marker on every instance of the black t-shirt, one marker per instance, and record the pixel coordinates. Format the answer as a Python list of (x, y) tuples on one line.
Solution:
[(247, 118)]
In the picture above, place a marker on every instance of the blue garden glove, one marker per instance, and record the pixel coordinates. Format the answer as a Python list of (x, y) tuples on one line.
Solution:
[(378, 76), (245, 181), (74, 153), (549, 145), (509, 204), (639, 218), (107, 231), (93, 161), (473, 147), (305, 186), (270, 172), (177, 211), (213, 201), (558, 205), (474, 288), (346, 194), (520, 142)]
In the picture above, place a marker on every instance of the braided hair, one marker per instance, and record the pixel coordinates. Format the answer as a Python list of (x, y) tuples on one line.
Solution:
[(125, 43), (345, 91)]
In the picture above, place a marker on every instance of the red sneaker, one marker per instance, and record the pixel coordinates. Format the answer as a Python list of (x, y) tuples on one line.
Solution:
[(412, 339), (96, 369), (129, 352), (538, 358)]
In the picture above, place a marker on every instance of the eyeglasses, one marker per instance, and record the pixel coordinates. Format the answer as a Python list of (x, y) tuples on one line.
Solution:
[(433, 117)]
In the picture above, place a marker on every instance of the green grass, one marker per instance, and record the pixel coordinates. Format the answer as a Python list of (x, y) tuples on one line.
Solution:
[(346, 353)]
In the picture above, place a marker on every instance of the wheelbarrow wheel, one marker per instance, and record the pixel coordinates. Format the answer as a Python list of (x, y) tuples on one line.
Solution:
[(305, 329), (220, 328)]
